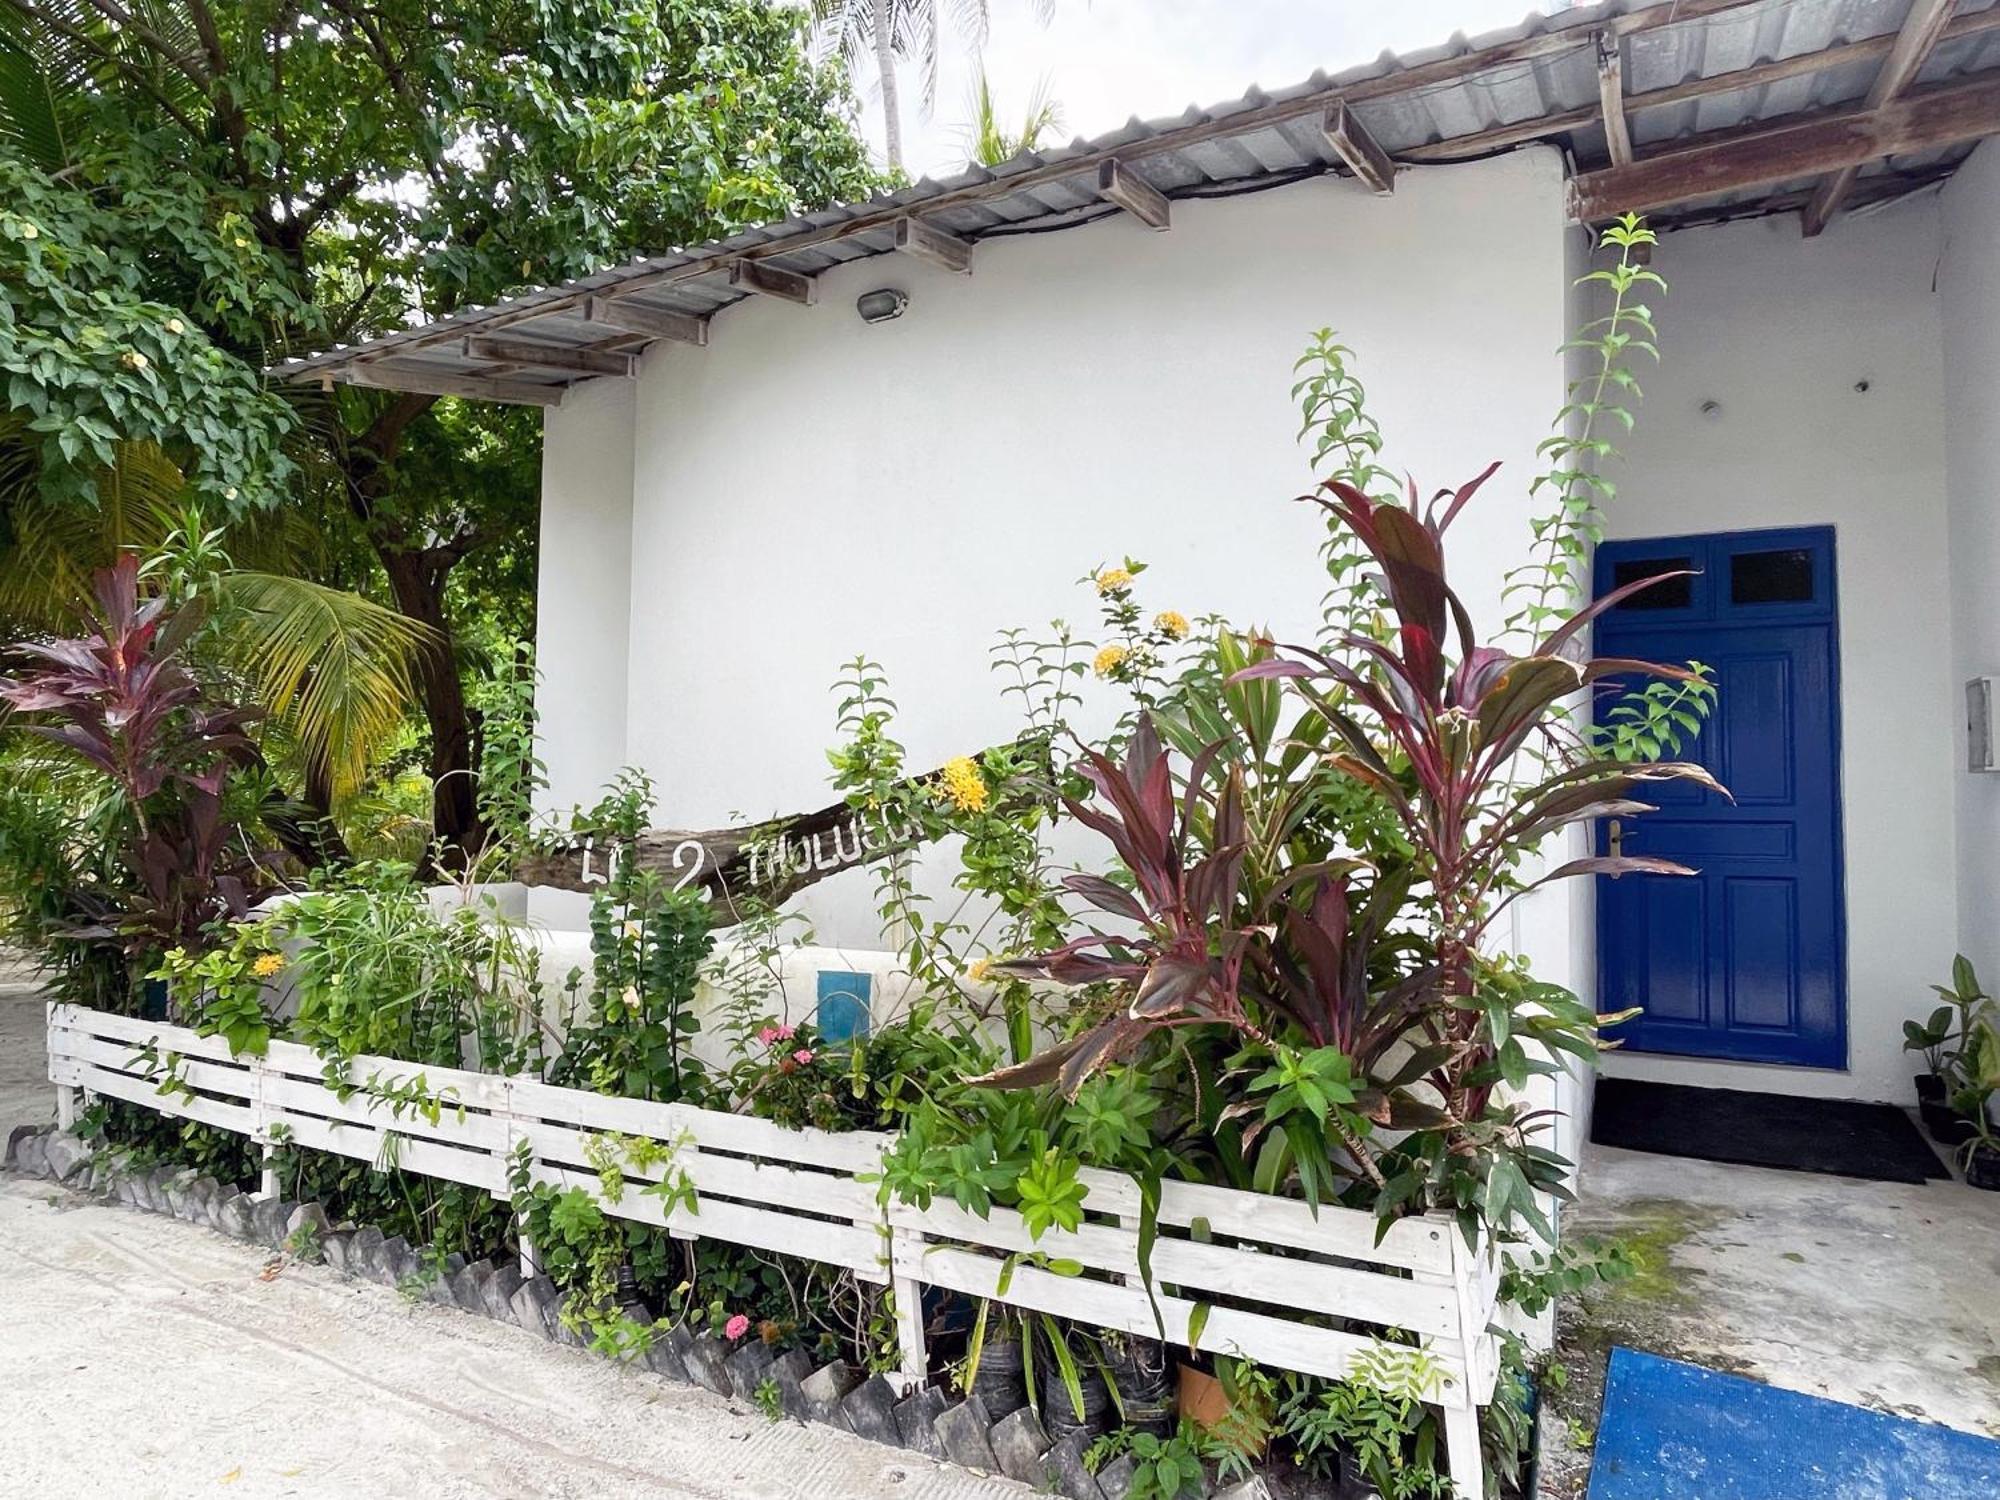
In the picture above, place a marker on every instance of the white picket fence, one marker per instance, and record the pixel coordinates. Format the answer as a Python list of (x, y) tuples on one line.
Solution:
[(1233, 1273)]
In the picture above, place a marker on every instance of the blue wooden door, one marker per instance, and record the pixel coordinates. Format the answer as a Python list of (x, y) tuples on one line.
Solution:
[(1746, 959)]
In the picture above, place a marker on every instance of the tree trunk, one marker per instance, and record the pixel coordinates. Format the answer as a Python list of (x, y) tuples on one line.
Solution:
[(885, 67), (417, 579)]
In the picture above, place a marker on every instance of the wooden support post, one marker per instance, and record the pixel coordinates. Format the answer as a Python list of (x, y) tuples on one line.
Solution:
[(1611, 98), (1119, 184), (773, 281), (65, 1106), (938, 247), (1922, 26), (905, 1249), (1461, 1452), (1942, 116), (653, 322), (1362, 153)]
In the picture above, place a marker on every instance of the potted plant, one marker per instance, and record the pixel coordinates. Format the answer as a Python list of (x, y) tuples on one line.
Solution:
[(1980, 1063), (1945, 1041)]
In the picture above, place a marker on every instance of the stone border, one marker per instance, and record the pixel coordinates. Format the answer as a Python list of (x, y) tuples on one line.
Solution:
[(837, 1395)]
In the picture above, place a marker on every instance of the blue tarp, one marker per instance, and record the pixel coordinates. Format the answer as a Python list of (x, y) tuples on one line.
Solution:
[(1673, 1431)]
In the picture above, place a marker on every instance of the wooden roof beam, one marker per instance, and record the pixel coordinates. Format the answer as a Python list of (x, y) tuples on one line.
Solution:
[(1944, 116), (1119, 184), (934, 246), (1611, 99), (387, 375), (1361, 152), (653, 322), (1922, 27), (568, 361), (773, 281)]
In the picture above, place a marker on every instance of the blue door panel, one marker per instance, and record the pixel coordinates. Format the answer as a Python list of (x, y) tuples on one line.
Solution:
[(1744, 959)]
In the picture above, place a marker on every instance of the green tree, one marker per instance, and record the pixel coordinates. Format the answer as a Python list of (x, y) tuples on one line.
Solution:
[(226, 185), (987, 142)]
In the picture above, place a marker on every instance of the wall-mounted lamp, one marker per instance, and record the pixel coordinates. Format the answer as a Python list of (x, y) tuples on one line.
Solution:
[(882, 304)]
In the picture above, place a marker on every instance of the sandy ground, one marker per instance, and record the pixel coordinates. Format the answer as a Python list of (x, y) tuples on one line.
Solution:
[(141, 1357)]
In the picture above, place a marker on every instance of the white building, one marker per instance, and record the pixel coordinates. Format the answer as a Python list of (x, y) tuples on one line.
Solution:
[(746, 483)]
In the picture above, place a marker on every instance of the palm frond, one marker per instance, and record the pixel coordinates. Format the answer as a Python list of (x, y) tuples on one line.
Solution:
[(338, 669), (29, 121)]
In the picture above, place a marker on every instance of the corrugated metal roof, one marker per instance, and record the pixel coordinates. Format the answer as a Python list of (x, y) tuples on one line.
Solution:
[(1541, 76)]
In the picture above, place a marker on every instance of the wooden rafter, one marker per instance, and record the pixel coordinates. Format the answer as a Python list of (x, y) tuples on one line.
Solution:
[(1362, 153), (389, 375), (1943, 116), (1611, 99), (653, 322), (1119, 184), (558, 357), (1922, 28), (934, 246), (773, 281)]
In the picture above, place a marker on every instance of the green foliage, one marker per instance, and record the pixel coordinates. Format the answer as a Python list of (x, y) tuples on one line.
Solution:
[(510, 773), (769, 1399), (1547, 1276), (1163, 1468), (220, 989)]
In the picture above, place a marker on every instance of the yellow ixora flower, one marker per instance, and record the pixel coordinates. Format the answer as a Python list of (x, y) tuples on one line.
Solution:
[(1108, 660), (1172, 624), (267, 964), (962, 784), (1113, 581)]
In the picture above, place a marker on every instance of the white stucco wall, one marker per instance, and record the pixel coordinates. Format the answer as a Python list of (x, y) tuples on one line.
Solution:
[(583, 589), (809, 487), (1779, 330), (1969, 284)]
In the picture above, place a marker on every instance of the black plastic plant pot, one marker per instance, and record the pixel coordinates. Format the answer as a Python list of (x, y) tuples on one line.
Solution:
[(1946, 1125), (1982, 1168), (1059, 1412), (999, 1382), (1930, 1089)]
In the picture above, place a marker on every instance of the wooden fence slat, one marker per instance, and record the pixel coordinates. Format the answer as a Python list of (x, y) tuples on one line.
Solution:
[(477, 1131), (365, 1143), (734, 1177), (212, 1078)]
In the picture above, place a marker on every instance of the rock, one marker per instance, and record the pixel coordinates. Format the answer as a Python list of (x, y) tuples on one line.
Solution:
[(916, 1418), (306, 1231), (15, 1139), (568, 1327), (334, 1248), (393, 1262), (153, 1192), (1018, 1445), (663, 1354), (791, 1370), (205, 1200), (176, 1187), (267, 1221), (1115, 1478), (124, 1186), (870, 1410), (468, 1286), (1063, 1470), (232, 1215), (1252, 1488), (68, 1157), (534, 1304), (361, 1251), (707, 1361), (961, 1432), (436, 1275), (825, 1389), (33, 1156), (748, 1366), (497, 1292)]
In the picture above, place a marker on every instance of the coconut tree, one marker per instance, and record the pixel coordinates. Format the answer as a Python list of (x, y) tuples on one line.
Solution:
[(987, 142)]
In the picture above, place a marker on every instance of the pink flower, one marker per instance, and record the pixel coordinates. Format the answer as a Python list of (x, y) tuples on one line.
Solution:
[(768, 1035), (735, 1328), (785, 1033), (802, 1056)]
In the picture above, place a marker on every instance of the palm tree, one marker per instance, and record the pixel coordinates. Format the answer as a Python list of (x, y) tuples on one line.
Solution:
[(987, 144), (884, 30)]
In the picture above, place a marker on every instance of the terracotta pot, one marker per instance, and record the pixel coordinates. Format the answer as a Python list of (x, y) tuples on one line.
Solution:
[(1202, 1400)]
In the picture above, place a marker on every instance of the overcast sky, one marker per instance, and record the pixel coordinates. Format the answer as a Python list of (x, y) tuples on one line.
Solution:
[(1106, 60)]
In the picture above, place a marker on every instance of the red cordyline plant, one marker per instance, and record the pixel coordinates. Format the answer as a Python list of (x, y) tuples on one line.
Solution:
[(1448, 734), (122, 698), (1440, 727)]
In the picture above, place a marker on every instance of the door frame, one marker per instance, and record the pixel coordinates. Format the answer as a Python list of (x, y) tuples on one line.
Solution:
[(1701, 613)]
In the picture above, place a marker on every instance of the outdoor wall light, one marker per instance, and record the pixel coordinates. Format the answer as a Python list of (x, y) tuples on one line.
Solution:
[(882, 304)]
